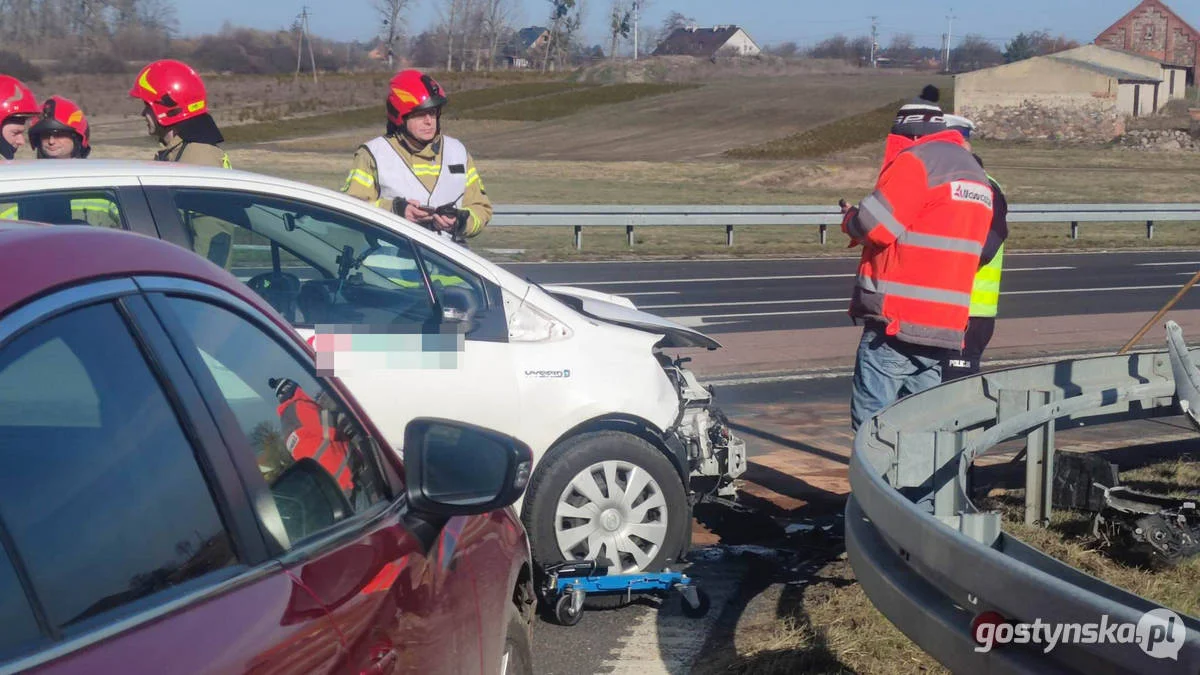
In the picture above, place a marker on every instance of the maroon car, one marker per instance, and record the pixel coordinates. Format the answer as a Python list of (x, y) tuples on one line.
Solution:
[(182, 492)]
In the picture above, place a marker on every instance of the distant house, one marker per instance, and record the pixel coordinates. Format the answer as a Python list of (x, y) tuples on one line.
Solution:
[(708, 42), (1155, 31), (517, 53)]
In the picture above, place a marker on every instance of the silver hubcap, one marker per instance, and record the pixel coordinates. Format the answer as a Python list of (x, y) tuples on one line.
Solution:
[(613, 510)]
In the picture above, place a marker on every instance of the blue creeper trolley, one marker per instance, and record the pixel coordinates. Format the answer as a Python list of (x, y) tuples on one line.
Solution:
[(568, 584)]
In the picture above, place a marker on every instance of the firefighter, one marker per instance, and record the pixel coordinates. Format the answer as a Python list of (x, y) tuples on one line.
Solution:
[(17, 107), (175, 107), (415, 170), (985, 295), (922, 231), (312, 431), (62, 132)]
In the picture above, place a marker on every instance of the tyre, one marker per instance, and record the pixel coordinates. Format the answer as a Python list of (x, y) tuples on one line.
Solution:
[(518, 652), (607, 495)]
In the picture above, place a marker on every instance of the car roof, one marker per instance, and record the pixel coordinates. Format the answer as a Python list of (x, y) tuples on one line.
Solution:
[(39, 258), (99, 168)]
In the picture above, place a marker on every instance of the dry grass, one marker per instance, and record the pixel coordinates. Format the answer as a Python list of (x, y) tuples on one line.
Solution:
[(572, 102), (1069, 539)]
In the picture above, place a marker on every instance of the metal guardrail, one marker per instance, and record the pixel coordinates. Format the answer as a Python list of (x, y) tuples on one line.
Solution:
[(932, 562), (578, 216)]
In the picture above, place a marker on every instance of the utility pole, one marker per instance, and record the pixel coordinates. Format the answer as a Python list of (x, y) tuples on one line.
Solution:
[(303, 21), (949, 37), (636, 15), (874, 39)]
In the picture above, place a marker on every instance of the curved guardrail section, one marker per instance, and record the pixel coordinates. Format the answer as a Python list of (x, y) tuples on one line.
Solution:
[(932, 562)]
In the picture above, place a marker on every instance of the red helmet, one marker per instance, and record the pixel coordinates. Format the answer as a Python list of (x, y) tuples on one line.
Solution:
[(16, 100), (174, 91), (412, 91), (62, 114)]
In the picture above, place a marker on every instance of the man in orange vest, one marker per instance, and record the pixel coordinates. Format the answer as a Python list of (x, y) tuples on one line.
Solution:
[(311, 432), (922, 231)]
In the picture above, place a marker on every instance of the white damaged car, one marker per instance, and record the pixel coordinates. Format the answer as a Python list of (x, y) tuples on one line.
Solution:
[(626, 440)]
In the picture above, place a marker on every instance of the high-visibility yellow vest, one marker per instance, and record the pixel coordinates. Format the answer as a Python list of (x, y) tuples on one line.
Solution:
[(985, 295)]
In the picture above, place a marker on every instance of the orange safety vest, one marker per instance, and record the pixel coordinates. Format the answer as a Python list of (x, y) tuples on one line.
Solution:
[(310, 433), (922, 230)]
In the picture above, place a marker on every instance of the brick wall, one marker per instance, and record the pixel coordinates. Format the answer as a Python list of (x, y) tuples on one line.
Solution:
[(1154, 32)]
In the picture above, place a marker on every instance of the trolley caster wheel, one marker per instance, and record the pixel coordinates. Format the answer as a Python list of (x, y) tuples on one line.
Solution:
[(565, 612), (701, 605)]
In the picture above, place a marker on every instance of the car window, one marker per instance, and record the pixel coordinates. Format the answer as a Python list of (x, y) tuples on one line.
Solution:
[(444, 274), (65, 207), (100, 488), (313, 265), (287, 416)]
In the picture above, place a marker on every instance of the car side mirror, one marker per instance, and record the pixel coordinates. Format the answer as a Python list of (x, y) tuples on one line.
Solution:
[(308, 499), (457, 469), (458, 304)]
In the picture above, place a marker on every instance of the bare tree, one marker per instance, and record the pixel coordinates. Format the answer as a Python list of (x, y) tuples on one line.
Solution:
[(391, 13), (497, 19), (620, 24)]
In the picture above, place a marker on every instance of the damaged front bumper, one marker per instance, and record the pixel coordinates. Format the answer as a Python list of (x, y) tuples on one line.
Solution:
[(703, 433)]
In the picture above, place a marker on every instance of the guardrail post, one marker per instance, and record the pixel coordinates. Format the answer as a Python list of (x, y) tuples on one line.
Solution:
[(729, 235), (578, 237), (947, 446), (1074, 229), (1039, 466), (824, 232), (629, 234), (1149, 229)]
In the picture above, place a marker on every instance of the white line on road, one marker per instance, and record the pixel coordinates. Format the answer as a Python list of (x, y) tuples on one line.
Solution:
[(790, 277), (1169, 264), (751, 379), (742, 303)]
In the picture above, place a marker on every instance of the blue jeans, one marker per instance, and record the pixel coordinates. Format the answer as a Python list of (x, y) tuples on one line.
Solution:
[(885, 368)]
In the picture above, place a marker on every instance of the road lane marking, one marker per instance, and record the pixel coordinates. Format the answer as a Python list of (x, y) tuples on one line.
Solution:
[(741, 303), (1169, 264), (846, 299), (789, 277)]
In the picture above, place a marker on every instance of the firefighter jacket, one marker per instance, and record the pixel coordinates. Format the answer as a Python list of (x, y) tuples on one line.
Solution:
[(95, 211), (311, 432), (922, 230), (443, 173), (985, 295), (212, 237)]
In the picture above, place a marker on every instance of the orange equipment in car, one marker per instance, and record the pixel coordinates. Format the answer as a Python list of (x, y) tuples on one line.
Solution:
[(311, 431)]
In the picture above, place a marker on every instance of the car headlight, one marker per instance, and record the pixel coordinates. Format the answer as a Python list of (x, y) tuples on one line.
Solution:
[(527, 323)]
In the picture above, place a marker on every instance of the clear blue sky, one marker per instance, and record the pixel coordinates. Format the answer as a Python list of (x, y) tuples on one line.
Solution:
[(767, 21)]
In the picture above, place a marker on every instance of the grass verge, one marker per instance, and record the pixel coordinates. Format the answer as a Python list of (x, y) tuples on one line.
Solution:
[(461, 104), (844, 134), (571, 102), (1069, 538)]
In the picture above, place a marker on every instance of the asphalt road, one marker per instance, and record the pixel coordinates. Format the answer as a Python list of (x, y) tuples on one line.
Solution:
[(731, 296)]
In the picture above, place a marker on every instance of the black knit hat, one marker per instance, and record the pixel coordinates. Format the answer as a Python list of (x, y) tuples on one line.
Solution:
[(921, 116)]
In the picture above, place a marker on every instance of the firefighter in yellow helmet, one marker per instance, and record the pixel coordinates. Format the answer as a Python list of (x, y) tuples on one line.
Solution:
[(415, 170)]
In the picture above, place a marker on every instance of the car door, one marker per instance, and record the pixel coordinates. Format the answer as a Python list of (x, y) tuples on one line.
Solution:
[(397, 608), (111, 205), (386, 315), (125, 536)]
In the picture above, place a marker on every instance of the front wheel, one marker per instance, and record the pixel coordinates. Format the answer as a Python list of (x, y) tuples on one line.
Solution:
[(611, 496)]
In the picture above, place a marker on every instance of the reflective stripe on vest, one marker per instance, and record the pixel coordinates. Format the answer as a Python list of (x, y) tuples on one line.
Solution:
[(985, 296), (397, 179)]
